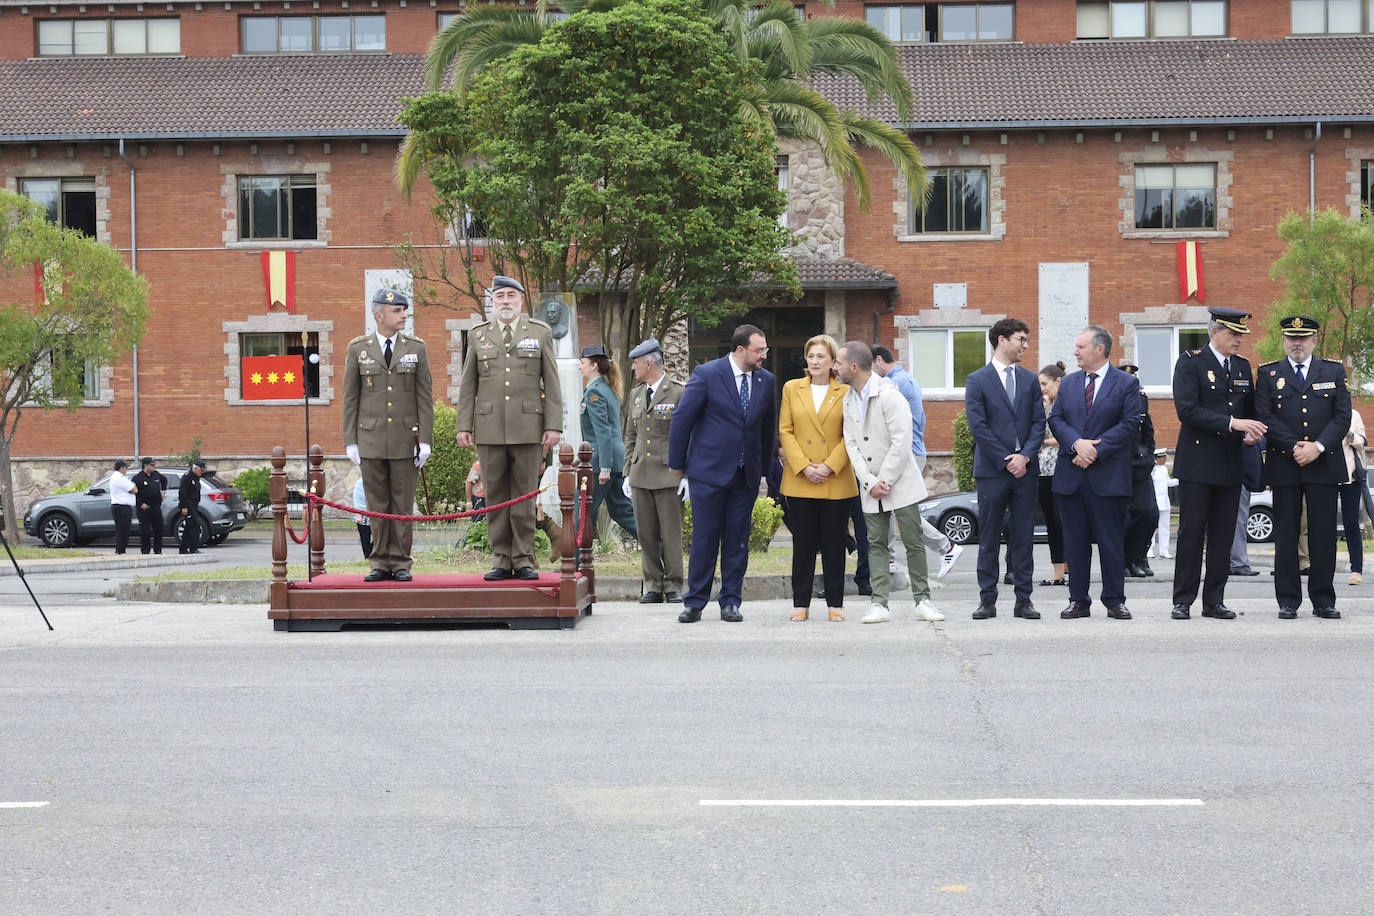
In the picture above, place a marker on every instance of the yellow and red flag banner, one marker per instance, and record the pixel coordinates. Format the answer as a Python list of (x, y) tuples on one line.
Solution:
[(268, 378), (279, 272), (1190, 271), (38, 282)]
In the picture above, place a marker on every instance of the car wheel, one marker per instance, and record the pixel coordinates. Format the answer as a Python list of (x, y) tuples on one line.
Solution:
[(180, 526), (959, 526), (1259, 525), (57, 530)]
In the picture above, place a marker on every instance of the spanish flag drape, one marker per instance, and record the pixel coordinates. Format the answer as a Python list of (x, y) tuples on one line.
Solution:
[(270, 378), (1190, 272), (279, 272)]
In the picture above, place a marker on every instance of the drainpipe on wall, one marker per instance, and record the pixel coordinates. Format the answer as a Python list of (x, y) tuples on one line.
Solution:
[(891, 307), (1312, 174), (133, 257)]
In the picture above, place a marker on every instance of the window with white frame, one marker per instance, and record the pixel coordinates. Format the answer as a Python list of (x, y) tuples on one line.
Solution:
[(910, 23), (1181, 197), (65, 362), (958, 202), (1157, 348), (312, 34), (108, 37), (1157, 19), (1332, 17), (902, 23), (942, 358)]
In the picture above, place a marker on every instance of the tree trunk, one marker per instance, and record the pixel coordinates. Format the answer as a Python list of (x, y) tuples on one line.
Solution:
[(7, 492)]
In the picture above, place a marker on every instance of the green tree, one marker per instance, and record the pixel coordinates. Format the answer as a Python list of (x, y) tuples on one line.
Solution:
[(91, 313), (963, 454), (255, 485), (1328, 270), (448, 465)]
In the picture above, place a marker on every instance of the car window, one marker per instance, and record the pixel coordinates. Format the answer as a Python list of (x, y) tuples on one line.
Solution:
[(218, 482), (173, 480)]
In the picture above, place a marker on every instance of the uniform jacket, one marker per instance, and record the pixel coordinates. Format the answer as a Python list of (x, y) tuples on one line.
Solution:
[(510, 397), (188, 491), (1317, 412), (711, 438), (381, 405), (601, 425), (1207, 451), (1114, 418), (1143, 462), (646, 435), (809, 437), (879, 447), (998, 425), (150, 487)]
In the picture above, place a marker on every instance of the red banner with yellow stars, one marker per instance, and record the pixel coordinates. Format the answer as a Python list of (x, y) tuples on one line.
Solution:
[(269, 378)]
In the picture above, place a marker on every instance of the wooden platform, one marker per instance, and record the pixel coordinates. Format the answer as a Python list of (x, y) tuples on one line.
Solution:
[(331, 602)]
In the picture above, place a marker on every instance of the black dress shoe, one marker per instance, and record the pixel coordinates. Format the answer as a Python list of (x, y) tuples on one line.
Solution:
[(1304, 571), (689, 615), (1181, 612), (1076, 609), (1326, 613), (377, 575), (1118, 612), (1219, 611), (1134, 571), (985, 611), (651, 598), (401, 575), (526, 572), (1025, 610), (1007, 579), (1244, 571), (1288, 613), (731, 614), (673, 597), (1145, 569)]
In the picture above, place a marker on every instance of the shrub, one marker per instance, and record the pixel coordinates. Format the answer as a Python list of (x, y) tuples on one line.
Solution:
[(255, 486), (476, 539), (963, 454), (76, 486), (766, 519), (448, 465)]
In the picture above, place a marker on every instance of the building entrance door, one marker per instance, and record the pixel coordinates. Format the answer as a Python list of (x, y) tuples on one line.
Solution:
[(787, 329)]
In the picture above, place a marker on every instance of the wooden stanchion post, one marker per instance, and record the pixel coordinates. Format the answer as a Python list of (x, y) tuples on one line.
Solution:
[(316, 512), (277, 490)]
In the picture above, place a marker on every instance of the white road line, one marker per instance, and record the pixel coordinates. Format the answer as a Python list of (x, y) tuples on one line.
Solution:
[(951, 802), (22, 804)]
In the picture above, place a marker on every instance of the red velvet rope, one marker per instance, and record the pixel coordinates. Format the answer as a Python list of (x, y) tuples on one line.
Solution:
[(420, 518), (304, 537)]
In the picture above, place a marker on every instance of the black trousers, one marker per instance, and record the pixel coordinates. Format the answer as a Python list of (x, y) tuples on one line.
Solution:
[(1206, 516), (150, 529), (123, 519), (1321, 544), (365, 539), (856, 515), (190, 533), (1142, 520), (1054, 528), (817, 525), (1006, 503)]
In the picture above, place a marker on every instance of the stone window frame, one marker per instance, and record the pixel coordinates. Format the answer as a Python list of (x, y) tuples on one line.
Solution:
[(940, 319), (276, 323), (1157, 154), (968, 157), (275, 166), (1178, 315), (1359, 159)]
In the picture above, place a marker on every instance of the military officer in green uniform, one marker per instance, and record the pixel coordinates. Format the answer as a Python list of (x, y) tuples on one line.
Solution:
[(387, 405), (654, 489), (511, 406)]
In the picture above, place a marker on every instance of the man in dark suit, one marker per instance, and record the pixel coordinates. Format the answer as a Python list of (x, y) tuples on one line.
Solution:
[(1006, 416), (1096, 419), (1142, 513), (721, 440), (1214, 397), (1305, 404)]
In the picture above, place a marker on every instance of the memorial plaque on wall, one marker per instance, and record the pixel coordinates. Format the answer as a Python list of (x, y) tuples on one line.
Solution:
[(1063, 311)]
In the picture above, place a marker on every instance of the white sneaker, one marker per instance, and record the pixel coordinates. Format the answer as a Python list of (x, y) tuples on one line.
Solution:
[(892, 567), (876, 614), (947, 561), (927, 611)]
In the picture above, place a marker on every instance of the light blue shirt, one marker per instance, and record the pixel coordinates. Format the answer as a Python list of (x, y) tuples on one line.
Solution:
[(911, 390), (360, 502)]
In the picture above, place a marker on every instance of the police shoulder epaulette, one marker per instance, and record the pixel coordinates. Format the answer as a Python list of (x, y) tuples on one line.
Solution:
[(1192, 352), (1272, 362), (1332, 361), (360, 337)]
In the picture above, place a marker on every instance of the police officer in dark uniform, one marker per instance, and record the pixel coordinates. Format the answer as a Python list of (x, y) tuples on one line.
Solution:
[(1214, 396), (1306, 405), (151, 485), (188, 507), (1142, 514)]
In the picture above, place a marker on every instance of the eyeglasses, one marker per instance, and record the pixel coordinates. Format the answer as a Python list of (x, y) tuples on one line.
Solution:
[(761, 351)]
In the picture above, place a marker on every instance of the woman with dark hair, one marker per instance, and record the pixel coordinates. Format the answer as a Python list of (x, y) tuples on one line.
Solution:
[(601, 427), (1050, 377)]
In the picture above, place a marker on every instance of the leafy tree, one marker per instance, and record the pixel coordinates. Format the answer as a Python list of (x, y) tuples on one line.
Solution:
[(91, 312), (1329, 272), (255, 485), (448, 465), (963, 454)]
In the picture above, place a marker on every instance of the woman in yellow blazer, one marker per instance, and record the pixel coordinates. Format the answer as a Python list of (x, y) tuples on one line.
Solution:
[(816, 477)]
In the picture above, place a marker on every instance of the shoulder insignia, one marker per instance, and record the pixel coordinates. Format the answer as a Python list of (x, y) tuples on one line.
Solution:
[(1272, 362), (418, 340), (593, 397), (1197, 352), (1334, 362), (542, 324), (481, 324), (359, 338)]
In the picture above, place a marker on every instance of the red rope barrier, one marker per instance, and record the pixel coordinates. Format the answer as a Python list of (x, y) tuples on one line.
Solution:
[(420, 518), (304, 537)]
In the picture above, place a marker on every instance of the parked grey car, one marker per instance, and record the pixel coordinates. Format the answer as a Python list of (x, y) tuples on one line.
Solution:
[(70, 519), (1259, 525), (956, 515)]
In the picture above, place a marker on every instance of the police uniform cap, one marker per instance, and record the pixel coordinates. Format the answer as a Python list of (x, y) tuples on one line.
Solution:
[(200, 463), (589, 352), (147, 461), (501, 282), (1299, 326), (1161, 453), (645, 348), (390, 297), (1130, 367), (1231, 319)]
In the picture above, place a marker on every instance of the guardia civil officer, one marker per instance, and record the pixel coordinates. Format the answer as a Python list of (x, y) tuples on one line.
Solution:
[(601, 419), (510, 405), (1214, 396), (188, 507), (1305, 404), (388, 404), (654, 490)]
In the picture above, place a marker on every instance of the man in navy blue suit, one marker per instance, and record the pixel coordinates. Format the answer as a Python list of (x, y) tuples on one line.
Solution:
[(722, 439), (1007, 419), (1096, 419)]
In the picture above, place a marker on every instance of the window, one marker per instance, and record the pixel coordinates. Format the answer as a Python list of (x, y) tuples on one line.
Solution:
[(1157, 349), (1367, 183), (290, 343), (1155, 19), (782, 168), (899, 23), (103, 37), (943, 357), (958, 202), (70, 202), (1332, 17), (474, 226), (311, 34), (277, 207), (1175, 197), (65, 362), (917, 22)]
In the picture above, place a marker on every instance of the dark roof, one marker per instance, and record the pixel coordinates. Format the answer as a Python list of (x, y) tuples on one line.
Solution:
[(1101, 83), (841, 273)]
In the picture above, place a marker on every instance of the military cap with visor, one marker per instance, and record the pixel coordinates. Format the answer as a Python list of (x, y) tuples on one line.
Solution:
[(1299, 326), (1231, 319)]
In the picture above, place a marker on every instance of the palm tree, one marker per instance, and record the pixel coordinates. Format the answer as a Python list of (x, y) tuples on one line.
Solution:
[(782, 51)]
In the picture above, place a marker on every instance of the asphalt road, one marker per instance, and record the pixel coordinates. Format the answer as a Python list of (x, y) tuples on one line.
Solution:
[(193, 760)]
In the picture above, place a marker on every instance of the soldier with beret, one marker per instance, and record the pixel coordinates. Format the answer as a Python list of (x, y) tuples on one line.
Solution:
[(1142, 515), (1214, 396), (655, 490), (511, 406), (601, 426), (1305, 403), (388, 404)]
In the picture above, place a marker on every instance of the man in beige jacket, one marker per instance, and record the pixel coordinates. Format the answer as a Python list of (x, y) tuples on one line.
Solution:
[(877, 436)]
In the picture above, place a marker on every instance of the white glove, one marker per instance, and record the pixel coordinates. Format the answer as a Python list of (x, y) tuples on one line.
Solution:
[(625, 488), (682, 490), (353, 455), (421, 458)]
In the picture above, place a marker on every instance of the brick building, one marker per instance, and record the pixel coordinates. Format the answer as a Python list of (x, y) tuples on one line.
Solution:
[(1072, 146)]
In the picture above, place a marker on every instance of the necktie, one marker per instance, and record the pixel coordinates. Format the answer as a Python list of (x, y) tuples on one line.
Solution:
[(1226, 367), (1089, 390), (648, 395), (744, 392), (1010, 384), (505, 336), (1302, 377), (386, 353)]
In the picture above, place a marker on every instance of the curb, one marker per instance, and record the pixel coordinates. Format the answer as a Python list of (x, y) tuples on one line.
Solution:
[(36, 567)]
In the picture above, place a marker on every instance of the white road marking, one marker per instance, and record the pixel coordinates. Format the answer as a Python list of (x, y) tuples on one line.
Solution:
[(22, 804), (951, 802)]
